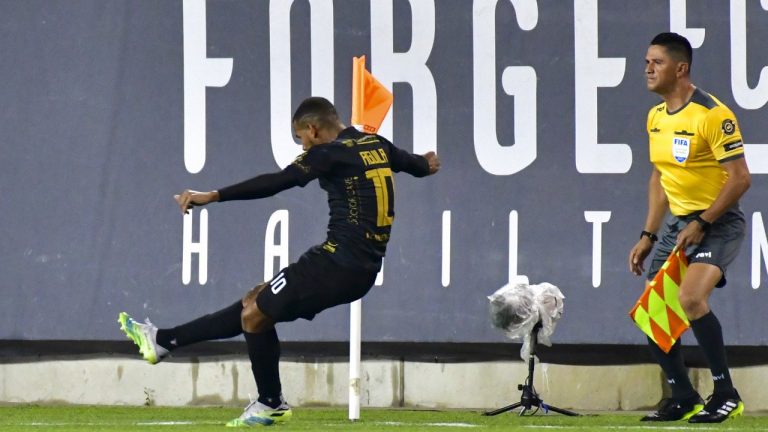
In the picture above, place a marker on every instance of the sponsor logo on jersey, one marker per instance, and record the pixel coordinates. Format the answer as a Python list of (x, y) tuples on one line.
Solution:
[(733, 146), (728, 127), (655, 130), (681, 147), (684, 133)]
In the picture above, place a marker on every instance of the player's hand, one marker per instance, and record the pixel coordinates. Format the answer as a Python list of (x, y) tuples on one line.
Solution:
[(191, 198), (638, 254), (433, 160), (692, 234)]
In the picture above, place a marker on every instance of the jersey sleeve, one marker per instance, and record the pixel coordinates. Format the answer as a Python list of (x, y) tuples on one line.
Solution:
[(312, 164), (261, 186), (722, 132), (307, 167), (402, 161)]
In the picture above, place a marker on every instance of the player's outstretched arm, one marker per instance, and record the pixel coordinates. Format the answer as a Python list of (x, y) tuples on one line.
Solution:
[(413, 164), (433, 160), (261, 186), (190, 198)]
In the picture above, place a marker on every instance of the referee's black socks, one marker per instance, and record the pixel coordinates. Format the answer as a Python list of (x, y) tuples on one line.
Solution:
[(709, 334), (264, 352), (222, 324), (674, 368)]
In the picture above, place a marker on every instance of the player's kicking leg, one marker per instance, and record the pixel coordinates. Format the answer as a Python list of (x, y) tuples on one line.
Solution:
[(144, 336)]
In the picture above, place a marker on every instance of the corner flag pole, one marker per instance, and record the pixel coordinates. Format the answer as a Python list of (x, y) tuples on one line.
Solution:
[(355, 321), (370, 104)]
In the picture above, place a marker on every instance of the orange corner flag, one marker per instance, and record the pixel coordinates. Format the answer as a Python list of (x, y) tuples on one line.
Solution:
[(658, 312), (370, 100)]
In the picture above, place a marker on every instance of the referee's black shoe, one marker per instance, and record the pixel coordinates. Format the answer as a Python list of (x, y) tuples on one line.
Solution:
[(674, 409), (719, 408)]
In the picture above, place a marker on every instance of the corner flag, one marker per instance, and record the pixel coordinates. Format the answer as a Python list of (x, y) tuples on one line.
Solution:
[(658, 312), (370, 103), (370, 100)]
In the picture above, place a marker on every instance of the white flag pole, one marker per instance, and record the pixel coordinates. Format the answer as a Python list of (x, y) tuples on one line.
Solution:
[(355, 321)]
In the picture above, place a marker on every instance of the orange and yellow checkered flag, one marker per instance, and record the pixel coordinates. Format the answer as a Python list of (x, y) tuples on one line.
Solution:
[(658, 312)]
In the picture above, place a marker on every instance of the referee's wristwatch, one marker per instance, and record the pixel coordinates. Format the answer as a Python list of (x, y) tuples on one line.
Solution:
[(702, 223), (651, 236)]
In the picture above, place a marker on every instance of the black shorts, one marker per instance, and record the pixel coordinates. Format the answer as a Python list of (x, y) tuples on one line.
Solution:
[(310, 285), (719, 247)]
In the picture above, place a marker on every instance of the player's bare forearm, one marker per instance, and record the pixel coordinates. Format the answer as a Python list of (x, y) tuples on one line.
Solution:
[(191, 198)]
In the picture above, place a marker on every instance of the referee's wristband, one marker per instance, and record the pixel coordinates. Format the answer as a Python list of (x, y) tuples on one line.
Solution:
[(702, 223), (651, 236)]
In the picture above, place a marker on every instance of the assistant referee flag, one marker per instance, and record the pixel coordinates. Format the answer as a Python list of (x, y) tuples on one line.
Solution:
[(658, 312)]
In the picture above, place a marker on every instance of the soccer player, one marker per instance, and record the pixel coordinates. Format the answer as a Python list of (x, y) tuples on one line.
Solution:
[(699, 174), (356, 170)]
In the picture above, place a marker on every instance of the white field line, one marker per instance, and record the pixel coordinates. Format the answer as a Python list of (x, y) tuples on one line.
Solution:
[(673, 428), (460, 425), (157, 423)]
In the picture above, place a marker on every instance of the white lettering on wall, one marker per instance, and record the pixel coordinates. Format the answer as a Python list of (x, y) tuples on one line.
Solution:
[(273, 249), (759, 248), (200, 248), (199, 72), (597, 218), (513, 246), (517, 81), (284, 148), (445, 274), (677, 23), (592, 72), (746, 97), (411, 67)]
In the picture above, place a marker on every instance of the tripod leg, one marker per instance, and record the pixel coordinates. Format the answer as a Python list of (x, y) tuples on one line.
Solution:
[(559, 410), (503, 410)]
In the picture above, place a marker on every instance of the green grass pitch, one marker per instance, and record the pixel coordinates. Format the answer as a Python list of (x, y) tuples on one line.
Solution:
[(77, 418)]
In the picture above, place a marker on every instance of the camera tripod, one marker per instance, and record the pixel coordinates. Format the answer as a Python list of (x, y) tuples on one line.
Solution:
[(529, 397)]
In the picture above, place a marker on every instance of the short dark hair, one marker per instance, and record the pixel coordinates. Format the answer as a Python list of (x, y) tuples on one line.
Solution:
[(317, 110), (677, 46)]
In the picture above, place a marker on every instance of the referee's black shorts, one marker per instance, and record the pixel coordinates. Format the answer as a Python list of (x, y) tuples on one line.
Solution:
[(719, 247), (310, 285)]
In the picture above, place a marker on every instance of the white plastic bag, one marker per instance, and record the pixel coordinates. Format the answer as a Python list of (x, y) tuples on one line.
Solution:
[(517, 307)]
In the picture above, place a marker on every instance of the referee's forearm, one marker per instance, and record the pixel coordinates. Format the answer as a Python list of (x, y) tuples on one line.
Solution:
[(657, 203)]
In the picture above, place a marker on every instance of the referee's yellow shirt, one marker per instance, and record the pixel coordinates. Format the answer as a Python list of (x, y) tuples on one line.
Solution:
[(687, 147)]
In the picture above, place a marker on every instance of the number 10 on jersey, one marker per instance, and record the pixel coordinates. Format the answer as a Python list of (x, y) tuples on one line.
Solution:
[(385, 195)]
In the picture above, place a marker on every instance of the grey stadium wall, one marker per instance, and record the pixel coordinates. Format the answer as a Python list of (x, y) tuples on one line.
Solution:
[(536, 108)]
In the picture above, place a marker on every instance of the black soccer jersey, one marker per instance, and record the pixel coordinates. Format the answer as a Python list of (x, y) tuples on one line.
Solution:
[(356, 171)]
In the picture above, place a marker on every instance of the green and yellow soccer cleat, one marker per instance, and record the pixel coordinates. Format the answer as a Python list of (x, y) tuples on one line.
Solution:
[(144, 336), (258, 414), (674, 410), (719, 408)]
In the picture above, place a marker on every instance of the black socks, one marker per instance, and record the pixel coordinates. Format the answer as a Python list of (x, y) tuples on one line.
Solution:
[(218, 325), (264, 352), (709, 334), (674, 368)]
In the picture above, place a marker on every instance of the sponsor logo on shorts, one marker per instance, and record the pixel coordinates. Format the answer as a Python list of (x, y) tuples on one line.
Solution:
[(704, 255)]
